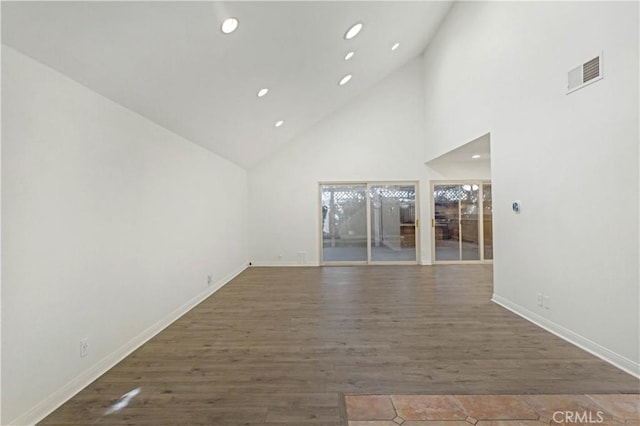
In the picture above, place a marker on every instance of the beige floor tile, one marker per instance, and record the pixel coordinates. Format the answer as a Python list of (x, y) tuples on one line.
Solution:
[(566, 409), (428, 407), (435, 423), (496, 407), (494, 410), (369, 407), (373, 423), (510, 423), (625, 406)]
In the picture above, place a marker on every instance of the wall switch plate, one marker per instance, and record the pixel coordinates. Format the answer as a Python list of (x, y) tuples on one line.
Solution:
[(84, 348), (539, 299), (547, 302)]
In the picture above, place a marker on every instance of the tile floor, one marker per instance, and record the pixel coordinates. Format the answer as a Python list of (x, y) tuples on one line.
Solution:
[(492, 410)]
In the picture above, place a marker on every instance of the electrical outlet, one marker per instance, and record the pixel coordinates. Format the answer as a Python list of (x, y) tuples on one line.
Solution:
[(209, 279), (547, 302), (84, 348), (539, 299)]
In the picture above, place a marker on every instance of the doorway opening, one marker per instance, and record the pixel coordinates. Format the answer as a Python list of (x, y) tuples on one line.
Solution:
[(369, 223), (461, 204)]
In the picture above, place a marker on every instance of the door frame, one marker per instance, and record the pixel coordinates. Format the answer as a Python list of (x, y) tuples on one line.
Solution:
[(368, 185), (480, 183)]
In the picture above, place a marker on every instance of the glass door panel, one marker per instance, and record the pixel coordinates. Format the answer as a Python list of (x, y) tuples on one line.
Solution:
[(469, 224), (393, 223), (462, 228), (487, 214), (447, 221), (344, 223)]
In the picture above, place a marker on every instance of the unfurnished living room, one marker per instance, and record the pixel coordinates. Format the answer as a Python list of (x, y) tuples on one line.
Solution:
[(328, 213)]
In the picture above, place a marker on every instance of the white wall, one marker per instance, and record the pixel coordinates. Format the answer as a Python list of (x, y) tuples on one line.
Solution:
[(572, 160), (379, 136), (460, 170), (1, 273), (110, 224)]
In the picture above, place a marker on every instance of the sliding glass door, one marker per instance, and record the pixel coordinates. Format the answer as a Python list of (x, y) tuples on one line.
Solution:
[(487, 222), (368, 222), (393, 223), (344, 223), (462, 221)]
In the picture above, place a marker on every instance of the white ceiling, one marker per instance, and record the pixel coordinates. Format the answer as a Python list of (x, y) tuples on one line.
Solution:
[(169, 61)]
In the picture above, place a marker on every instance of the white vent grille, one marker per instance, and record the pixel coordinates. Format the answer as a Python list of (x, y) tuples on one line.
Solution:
[(591, 69), (585, 74)]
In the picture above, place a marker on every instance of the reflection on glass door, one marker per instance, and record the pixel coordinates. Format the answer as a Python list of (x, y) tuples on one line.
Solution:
[(461, 222), (369, 222), (344, 223), (469, 229), (487, 214), (447, 222), (393, 223)]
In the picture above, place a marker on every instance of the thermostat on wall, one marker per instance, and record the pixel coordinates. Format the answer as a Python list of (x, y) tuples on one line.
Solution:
[(516, 206)]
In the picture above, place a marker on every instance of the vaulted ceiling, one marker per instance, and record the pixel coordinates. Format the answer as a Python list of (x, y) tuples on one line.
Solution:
[(170, 61)]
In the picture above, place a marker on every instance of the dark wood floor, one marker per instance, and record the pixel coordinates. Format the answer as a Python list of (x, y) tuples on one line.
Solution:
[(279, 345)]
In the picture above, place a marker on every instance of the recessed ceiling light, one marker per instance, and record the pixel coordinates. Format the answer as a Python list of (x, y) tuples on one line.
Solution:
[(395, 46), (229, 25), (345, 79), (348, 56), (475, 156), (263, 92), (353, 31), (279, 123)]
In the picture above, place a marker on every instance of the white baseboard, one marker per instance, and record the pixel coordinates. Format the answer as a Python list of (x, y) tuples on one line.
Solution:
[(284, 263), (68, 391), (576, 339), (311, 264)]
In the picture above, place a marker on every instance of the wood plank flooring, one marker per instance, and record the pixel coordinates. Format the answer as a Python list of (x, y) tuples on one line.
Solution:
[(278, 346)]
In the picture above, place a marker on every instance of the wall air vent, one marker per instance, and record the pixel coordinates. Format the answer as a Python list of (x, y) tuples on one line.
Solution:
[(585, 74)]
